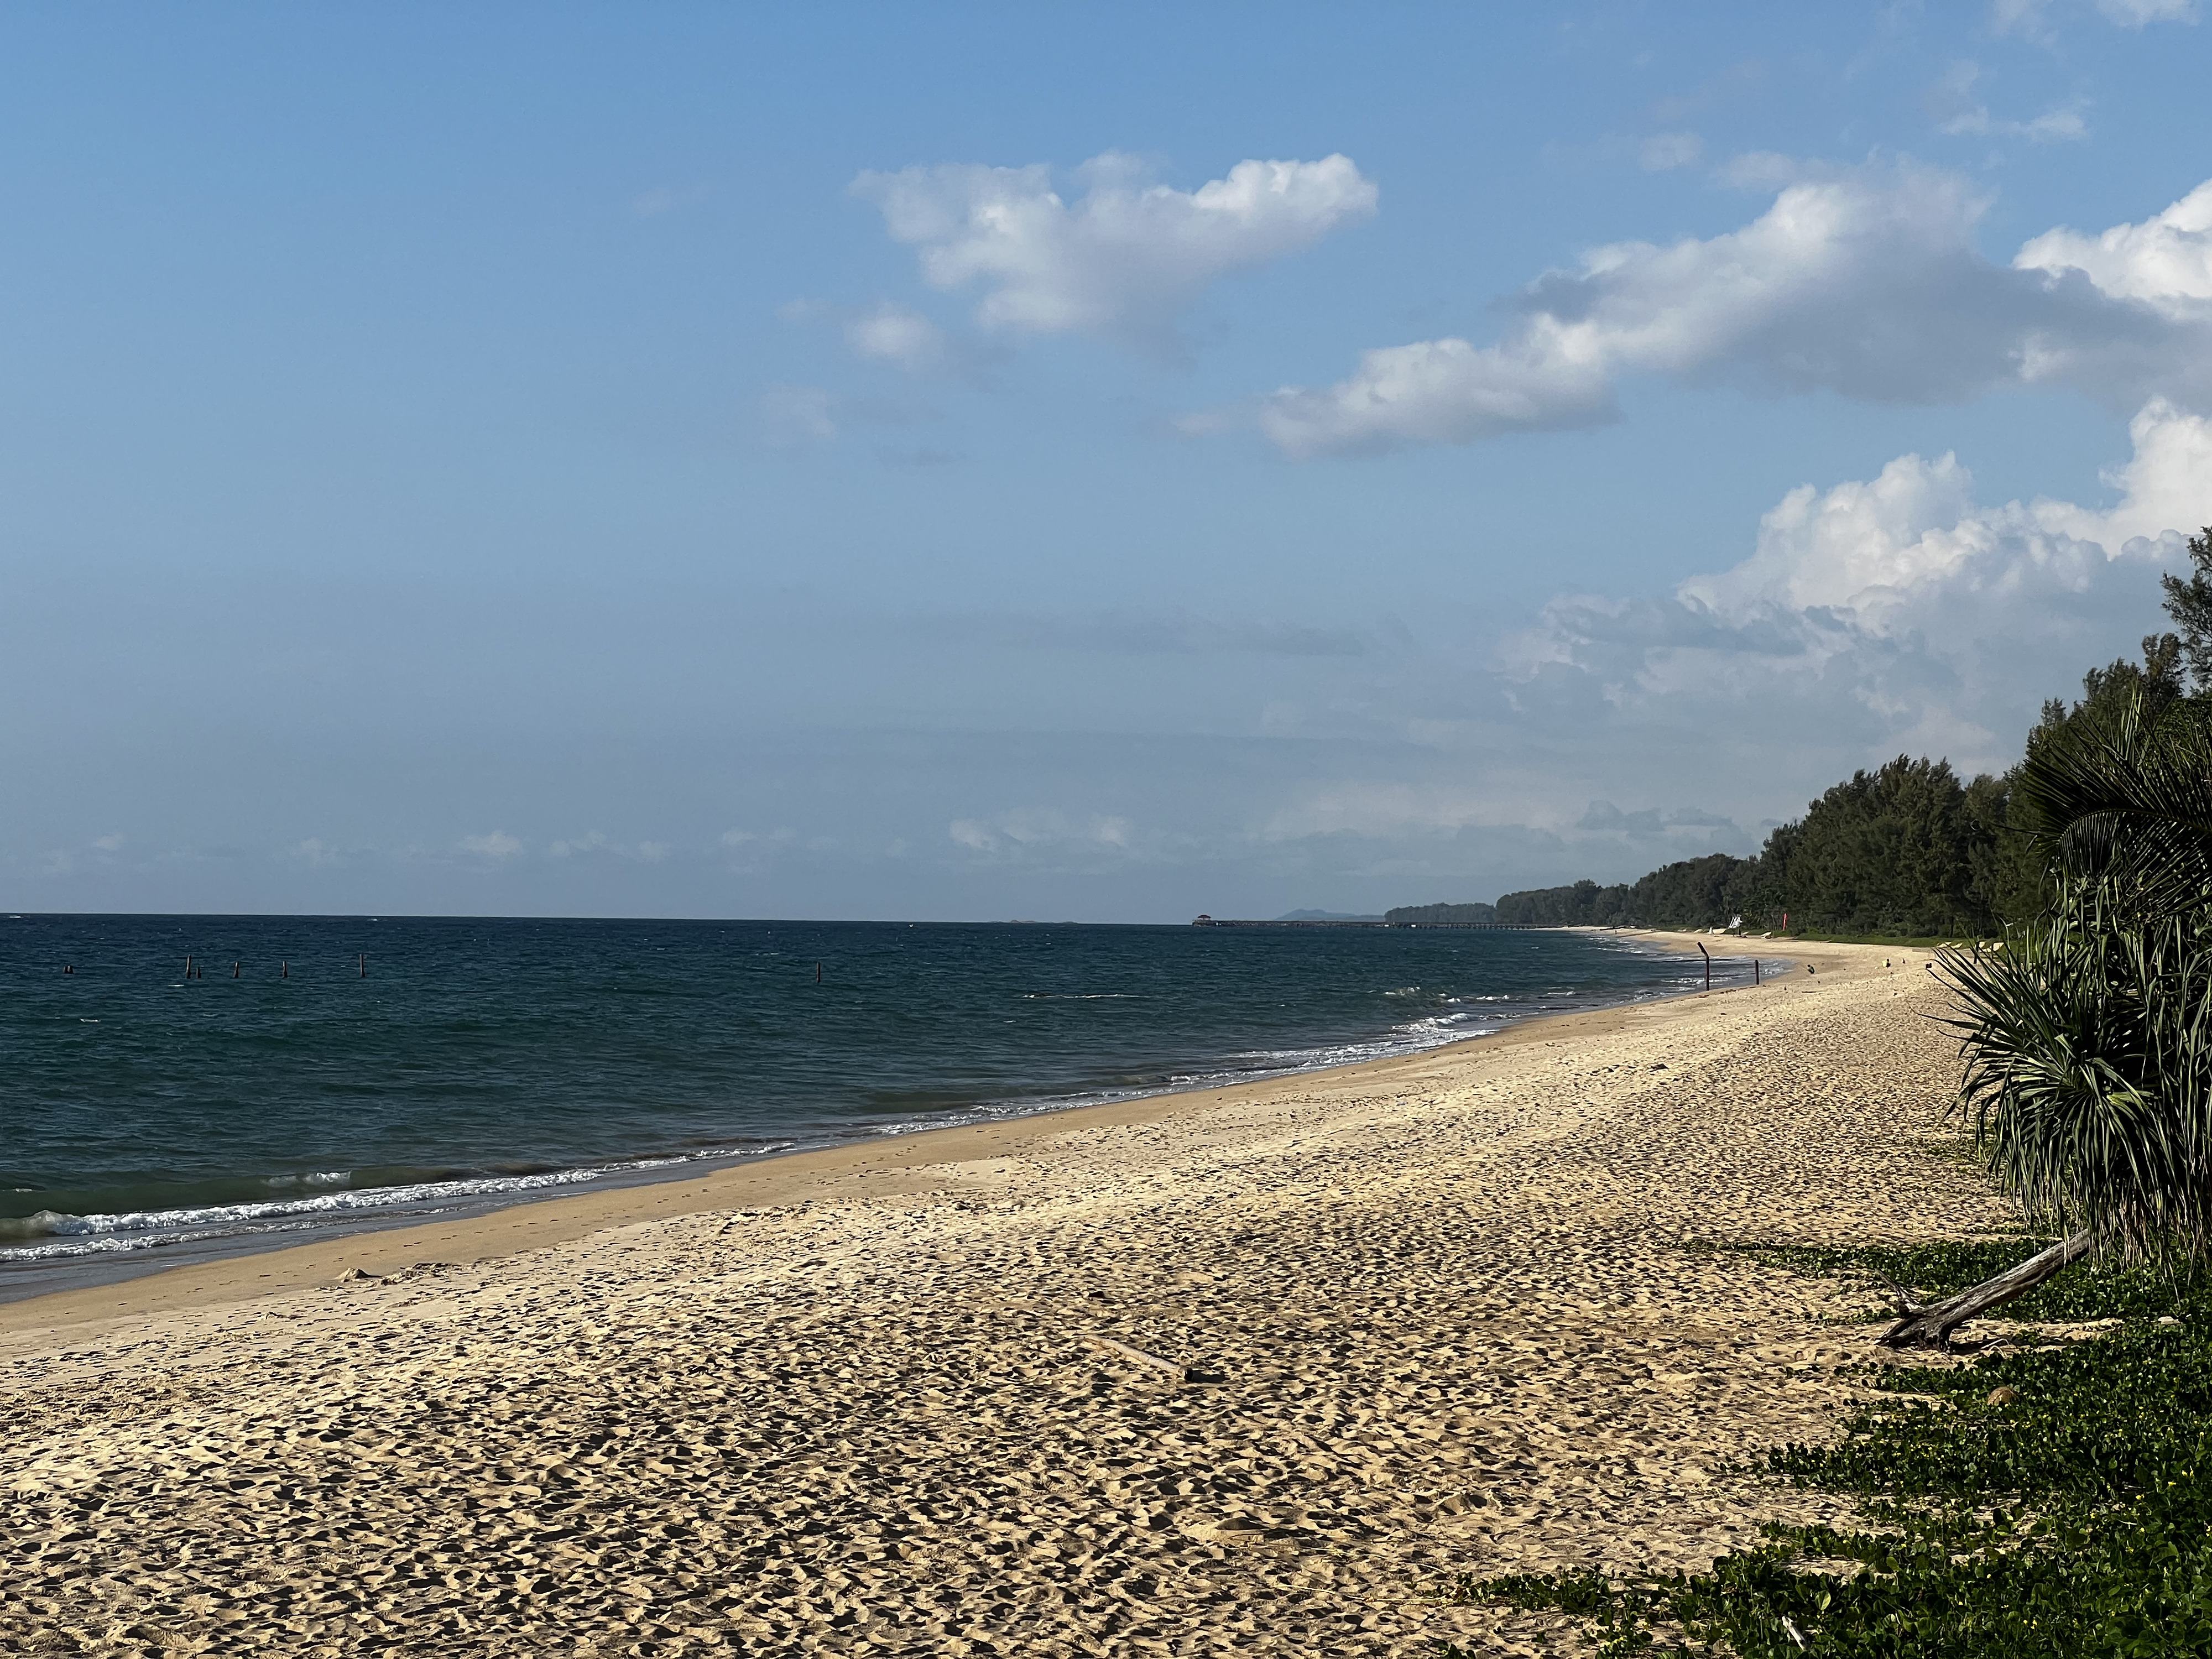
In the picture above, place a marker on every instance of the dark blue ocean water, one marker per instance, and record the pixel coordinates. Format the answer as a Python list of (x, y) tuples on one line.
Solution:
[(143, 1111)]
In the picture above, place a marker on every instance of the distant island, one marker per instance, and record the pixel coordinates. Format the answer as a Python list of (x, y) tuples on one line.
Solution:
[(1323, 915), (1443, 916)]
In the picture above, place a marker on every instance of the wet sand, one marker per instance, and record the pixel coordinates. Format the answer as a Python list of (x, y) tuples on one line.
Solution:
[(1437, 1314)]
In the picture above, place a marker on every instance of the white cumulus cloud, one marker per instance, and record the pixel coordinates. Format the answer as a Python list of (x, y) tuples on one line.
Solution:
[(1123, 259), (2165, 261), (1897, 612), (496, 845), (1900, 613), (1863, 282)]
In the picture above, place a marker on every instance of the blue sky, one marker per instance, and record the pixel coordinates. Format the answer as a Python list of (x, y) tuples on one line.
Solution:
[(1075, 462)]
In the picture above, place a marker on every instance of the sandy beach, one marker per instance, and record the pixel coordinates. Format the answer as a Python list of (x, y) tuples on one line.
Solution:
[(1439, 1314)]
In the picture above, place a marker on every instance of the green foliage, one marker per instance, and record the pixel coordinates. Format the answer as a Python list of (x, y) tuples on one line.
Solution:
[(2089, 1038), (2088, 1076), (1706, 892), (2014, 875), (1442, 916), (2072, 1517), (2190, 603), (2121, 803), (1891, 851), (1583, 904), (1904, 850)]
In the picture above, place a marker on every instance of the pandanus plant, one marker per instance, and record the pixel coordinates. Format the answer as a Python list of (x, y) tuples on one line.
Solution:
[(2087, 1035)]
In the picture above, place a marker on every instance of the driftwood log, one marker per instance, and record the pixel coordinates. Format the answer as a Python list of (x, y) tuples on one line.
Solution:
[(1931, 1324), (1167, 1367)]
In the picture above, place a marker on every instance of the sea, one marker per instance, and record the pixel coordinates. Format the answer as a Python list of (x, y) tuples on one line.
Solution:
[(174, 1087)]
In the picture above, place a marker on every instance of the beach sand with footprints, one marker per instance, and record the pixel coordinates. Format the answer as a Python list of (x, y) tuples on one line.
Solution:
[(1253, 1371)]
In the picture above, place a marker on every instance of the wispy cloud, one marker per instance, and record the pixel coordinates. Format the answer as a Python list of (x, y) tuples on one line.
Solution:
[(1953, 104), (1663, 151), (1166, 633), (799, 417), (597, 843), (2032, 19), (1032, 834), (899, 337), (895, 334)]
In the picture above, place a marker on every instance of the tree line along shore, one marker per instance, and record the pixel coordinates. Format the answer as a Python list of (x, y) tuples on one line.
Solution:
[(1908, 850)]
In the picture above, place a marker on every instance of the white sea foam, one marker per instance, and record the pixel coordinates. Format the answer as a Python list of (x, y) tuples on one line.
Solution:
[(109, 1244), (143, 1230)]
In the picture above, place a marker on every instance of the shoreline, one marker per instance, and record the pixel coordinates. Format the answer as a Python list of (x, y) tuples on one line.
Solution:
[(881, 1166), (1256, 1371), (202, 1234)]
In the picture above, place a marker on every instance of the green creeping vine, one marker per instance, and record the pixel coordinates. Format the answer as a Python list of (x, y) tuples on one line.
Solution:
[(2072, 1518)]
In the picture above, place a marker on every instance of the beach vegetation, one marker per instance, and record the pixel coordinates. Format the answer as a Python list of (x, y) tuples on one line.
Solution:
[(2050, 1498), (2087, 1040), (1906, 849), (1443, 916)]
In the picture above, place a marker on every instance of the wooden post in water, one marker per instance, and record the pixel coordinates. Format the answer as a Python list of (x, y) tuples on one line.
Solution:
[(287, 971), (235, 968), (817, 972), (1754, 970), (364, 964), (1708, 955)]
